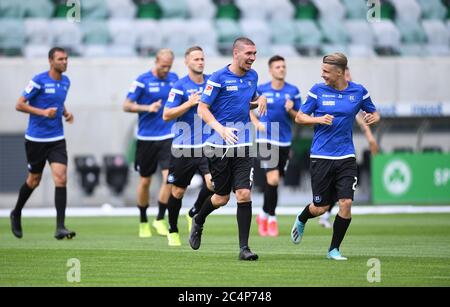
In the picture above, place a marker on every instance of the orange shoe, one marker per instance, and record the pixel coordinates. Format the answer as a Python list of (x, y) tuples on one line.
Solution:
[(262, 226), (273, 229)]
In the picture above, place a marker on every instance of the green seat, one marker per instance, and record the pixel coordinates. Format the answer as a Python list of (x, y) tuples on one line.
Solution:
[(334, 31), (228, 11), (94, 9), (387, 11), (306, 11), (227, 31), (150, 10), (411, 31)]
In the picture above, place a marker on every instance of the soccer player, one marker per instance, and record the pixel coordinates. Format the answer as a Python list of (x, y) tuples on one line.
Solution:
[(335, 104), (147, 97), (44, 138), (225, 106), (186, 160), (324, 219), (274, 138)]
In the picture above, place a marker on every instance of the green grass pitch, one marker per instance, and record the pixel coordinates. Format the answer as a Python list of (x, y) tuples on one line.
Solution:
[(413, 250)]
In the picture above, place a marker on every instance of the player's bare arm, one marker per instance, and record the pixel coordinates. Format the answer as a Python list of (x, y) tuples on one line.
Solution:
[(371, 118), (68, 116), (227, 133), (132, 107), (305, 119), (23, 106)]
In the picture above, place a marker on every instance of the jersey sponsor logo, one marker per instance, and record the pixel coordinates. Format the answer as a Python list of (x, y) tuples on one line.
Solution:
[(230, 81), (153, 89), (153, 84), (208, 90), (232, 88), (49, 85), (328, 103), (328, 96), (268, 94), (171, 97), (269, 100), (50, 90)]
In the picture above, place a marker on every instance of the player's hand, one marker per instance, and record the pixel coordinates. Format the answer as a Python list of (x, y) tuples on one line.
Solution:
[(262, 105), (154, 107), (261, 127), (229, 135), (327, 119), (50, 112), (194, 99), (289, 105), (371, 118), (68, 117)]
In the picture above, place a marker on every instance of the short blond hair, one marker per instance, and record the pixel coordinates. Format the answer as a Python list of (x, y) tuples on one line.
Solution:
[(164, 51), (337, 59)]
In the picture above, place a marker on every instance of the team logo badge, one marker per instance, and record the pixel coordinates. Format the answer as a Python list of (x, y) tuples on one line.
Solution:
[(317, 199)]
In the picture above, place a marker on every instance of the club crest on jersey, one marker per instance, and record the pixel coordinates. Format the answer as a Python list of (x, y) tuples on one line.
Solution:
[(351, 98), (208, 90), (317, 199), (171, 97), (170, 178)]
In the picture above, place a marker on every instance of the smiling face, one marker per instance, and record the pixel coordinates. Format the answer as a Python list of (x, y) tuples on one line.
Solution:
[(244, 55), (331, 74)]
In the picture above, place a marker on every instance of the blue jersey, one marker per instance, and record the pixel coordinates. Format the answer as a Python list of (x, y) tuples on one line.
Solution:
[(43, 92), (188, 128), (148, 89), (277, 121), (229, 97), (336, 141)]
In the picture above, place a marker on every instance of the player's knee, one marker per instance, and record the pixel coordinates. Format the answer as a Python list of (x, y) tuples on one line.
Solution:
[(60, 179), (178, 192), (220, 200), (145, 182), (273, 179), (243, 195), (345, 203), (33, 180)]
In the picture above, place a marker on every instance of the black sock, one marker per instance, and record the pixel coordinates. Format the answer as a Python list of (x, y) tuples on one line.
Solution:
[(60, 204), (340, 227), (173, 206), (270, 199), (206, 210), (161, 211), (24, 193), (143, 212), (305, 215), (244, 220), (202, 196)]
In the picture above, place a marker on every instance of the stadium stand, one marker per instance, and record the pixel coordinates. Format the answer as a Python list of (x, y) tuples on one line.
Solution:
[(290, 27)]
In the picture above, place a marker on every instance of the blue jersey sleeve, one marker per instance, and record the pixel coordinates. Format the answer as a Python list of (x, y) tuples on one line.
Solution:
[(211, 90), (367, 104), (136, 90), (310, 104), (175, 97), (33, 88), (297, 100)]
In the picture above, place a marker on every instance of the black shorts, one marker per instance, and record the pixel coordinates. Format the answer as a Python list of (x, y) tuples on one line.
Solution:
[(183, 168), (272, 157), (232, 171), (150, 154), (40, 152), (332, 180)]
